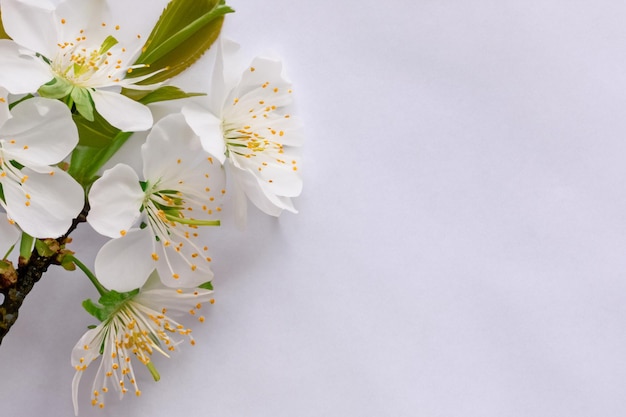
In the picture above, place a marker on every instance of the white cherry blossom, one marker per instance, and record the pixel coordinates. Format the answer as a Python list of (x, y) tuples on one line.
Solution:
[(154, 221), (34, 136), (250, 127), (74, 43), (136, 328)]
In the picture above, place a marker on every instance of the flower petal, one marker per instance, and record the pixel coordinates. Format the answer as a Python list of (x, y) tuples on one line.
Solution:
[(115, 200), (172, 153), (44, 205), (122, 112), (21, 73), (42, 132), (267, 202), (72, 16), (9, 233), (31, 24), (5, 114), (125, 264), (208, 128)]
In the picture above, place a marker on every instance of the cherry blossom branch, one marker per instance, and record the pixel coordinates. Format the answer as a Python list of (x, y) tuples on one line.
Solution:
[(28, 274)]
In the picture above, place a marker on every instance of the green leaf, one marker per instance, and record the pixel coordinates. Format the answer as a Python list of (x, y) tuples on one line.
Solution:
[(80, 162), (83, 102), (164, 93), (97, 133), (185, 30), (56, 88), (98, 142), (207, 286)]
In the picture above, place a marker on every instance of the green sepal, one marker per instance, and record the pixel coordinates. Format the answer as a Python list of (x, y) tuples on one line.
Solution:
[(26, 245), (56, 88), (165, 93), (67, 263), (94, 309), (185, 30), (83, 102), (43, 249), (207, 286), (108, 303)]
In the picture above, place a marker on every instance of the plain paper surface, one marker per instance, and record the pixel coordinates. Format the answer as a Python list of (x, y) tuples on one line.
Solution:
[(460, 249)]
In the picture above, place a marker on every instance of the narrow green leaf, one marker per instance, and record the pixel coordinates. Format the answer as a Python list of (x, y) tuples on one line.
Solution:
[(167, 93), (26, 245), (185, 30)]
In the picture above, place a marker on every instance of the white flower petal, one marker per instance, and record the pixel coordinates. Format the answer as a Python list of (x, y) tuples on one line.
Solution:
[(122, 112), (45, 204), (264, 71), (81, 358), (72, 16), (42, 132), (149, 317), (115, 200), (209, 128), (172, 153), (9, 234), (31, 24), (21, 73), (267, 202), (176, 272), (5, 114), (125, 264), (226, 73)]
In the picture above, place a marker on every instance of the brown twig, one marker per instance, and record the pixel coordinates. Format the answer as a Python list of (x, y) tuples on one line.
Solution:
[(28, 275)]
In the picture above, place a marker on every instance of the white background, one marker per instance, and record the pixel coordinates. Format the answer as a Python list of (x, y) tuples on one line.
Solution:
[(461, 243)]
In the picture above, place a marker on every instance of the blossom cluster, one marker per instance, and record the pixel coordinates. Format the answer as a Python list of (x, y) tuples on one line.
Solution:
[(75, 87)]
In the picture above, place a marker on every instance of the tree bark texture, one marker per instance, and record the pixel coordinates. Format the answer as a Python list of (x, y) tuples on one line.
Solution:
[(27, 276)]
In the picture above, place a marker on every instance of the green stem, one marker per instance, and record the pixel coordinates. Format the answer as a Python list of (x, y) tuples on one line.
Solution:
[(9, 252), (90, 275), (153, 371)]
